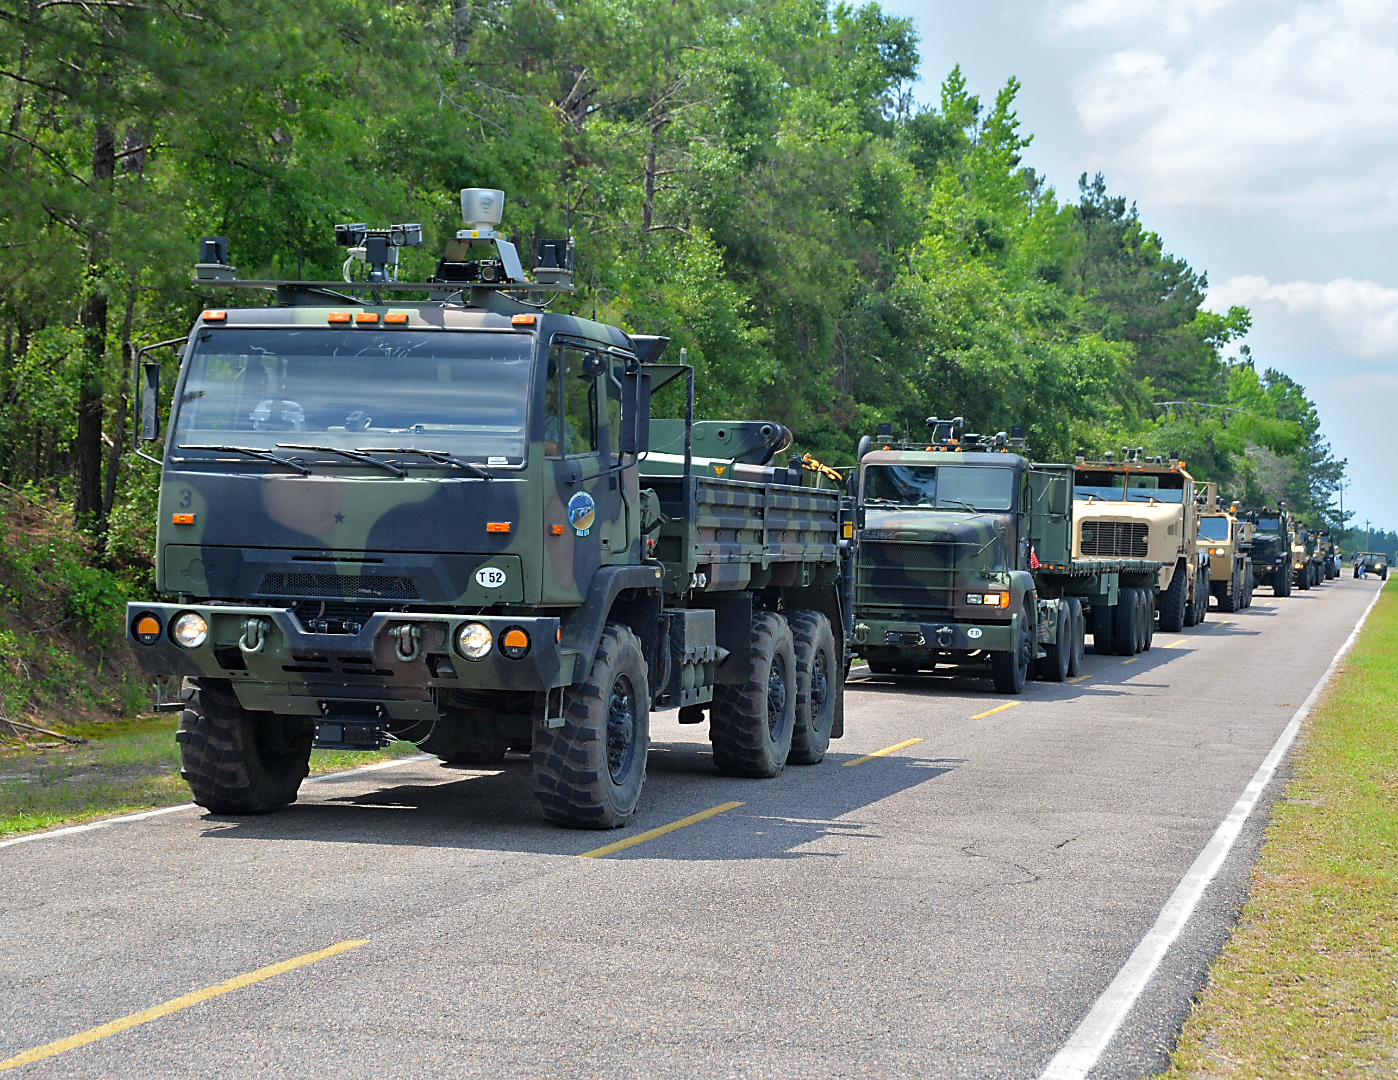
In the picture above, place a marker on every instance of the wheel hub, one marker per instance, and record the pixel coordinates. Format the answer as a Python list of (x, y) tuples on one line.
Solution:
[(776, 698), (621, 729)]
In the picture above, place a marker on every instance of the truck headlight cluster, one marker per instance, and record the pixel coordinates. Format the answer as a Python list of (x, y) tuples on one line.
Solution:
[(990, 599), (1217, 551), (189, 630), (474, 640)]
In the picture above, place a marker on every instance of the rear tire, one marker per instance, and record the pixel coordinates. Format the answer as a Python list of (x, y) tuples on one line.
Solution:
[(1053, 665), (1148, 617), (1281, 583), (1172, 602), (1228, 598), (1125, 620), (588, 773), (751, 724), (1010, 668), (880, 667), (1102, 618), (1079, 628), (237, 761), (816, 690), (1201, 593)]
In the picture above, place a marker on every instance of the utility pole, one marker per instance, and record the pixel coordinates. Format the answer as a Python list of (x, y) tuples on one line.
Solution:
[(1366, 534)]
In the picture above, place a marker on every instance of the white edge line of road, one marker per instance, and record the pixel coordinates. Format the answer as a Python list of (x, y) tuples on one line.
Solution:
[(126, 819), (1086, 1045)]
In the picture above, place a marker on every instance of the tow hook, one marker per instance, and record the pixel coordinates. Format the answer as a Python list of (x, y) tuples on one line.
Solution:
[(944, 637), (407, 642), (254, 635)]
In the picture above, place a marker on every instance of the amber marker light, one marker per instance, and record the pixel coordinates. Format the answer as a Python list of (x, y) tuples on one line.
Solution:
[(337, 317), (367, 318), (396, 318), (556, 530), (514, 643), (146, 628), (182, 519), (497, 526), (215, 316), (523, 320)]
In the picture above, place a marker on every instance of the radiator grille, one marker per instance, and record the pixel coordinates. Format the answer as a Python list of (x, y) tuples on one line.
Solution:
[(1123, 539), (906, 576), (367, 586)]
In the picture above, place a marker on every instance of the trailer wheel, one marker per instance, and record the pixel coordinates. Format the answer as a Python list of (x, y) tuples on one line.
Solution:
[(1147, 618), (1102, 618), (1010, 668), (751, 724), (816, 689), (1172, 602), (881, 667), (1078, 624), (1053, 665), (589, 772), (237, 761), (1228, 597), (1201, 593)]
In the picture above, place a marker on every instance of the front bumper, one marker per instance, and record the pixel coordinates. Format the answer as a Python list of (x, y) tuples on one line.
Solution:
[(879, 639), (289, 668)]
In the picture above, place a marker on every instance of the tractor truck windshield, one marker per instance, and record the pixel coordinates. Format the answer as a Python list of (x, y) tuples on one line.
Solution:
[(1214, 528), (951, 487), (426, 393), (1129, 487)]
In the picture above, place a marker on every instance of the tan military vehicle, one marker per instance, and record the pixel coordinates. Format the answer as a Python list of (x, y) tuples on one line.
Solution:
[(1226, 542), (1144, 508)]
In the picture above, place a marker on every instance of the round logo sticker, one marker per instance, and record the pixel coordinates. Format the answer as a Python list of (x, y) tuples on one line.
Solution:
[(973, 632), (582, 513), (490, 577)]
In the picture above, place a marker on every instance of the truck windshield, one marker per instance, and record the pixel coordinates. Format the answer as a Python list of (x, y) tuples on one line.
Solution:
[(1133, 487), (1214, 528), (457, 393), (954, 487), (1269, 524)]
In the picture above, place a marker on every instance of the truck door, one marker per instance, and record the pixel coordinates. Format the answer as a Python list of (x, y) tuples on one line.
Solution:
[(1051, 519)]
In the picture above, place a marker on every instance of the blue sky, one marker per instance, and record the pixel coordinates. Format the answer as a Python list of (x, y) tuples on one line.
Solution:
[(1258, 137)]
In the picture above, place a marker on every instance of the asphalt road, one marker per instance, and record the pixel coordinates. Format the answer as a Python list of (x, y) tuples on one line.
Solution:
[(950, 909)]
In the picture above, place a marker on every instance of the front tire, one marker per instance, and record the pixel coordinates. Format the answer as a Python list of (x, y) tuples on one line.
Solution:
[(588, 773), (237, 761), (751, 724), (1172, 602), (1010, 668), (816, 691)]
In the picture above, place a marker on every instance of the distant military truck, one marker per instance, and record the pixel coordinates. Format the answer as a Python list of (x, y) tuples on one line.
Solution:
[(965, 560), (1227, 541), (1322, 557), (1375, 562), (438, 512), (1144, 507), (1331, 556), (1303, 557), (1271, 548)]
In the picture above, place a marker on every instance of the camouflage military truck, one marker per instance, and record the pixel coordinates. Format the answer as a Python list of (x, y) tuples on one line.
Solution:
[(1271, 548), (1329, 556), (1375, 562), (965, 560), (1144, 507), (452, 520), (1227, 541), (1303, 557)]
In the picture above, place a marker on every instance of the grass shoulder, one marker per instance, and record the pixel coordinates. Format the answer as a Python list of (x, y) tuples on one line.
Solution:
[(124, 766), (1305, 986)]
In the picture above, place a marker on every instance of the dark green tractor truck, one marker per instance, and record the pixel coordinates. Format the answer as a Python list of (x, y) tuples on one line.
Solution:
[(966, 560), (1271, 548), (438, 512)]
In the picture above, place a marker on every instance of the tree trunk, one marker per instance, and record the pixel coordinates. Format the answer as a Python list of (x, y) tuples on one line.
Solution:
[(87, 448)]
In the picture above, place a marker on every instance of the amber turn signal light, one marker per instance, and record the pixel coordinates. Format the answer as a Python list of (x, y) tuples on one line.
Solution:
[(514, 643), (182, 519), (497, 526)]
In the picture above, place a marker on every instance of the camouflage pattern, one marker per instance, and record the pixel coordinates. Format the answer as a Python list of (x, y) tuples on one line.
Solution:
[(346, 588)]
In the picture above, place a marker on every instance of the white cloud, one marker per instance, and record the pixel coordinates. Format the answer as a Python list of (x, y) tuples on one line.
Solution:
[(1246, 105), (1362, 315)]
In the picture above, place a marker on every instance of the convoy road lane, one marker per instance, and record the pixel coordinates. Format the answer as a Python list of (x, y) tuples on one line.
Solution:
[(950, 908)]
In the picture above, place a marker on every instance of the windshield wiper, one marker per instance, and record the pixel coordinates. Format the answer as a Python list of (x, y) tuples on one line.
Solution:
[(432, 455), (251, 451), (962, 502), (357, 455)]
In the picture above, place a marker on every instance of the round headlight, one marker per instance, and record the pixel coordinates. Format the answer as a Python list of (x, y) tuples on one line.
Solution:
[(190, 630), (474, 640)]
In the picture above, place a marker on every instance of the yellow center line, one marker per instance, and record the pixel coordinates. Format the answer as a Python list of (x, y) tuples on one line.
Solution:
[(651, 834), (882, 753), (1178, 643), (72, 1042), (1131, 661), (998, 708), (1080, 678)]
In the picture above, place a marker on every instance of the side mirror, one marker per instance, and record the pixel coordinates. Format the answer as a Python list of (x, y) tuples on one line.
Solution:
[(635, 413), (150, 402)]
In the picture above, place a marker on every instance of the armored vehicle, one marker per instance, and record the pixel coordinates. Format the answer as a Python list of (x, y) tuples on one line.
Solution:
[(1375, 562), (1271, 548), (965, 559), (1144, 507), (452, 520), (1227, 541)]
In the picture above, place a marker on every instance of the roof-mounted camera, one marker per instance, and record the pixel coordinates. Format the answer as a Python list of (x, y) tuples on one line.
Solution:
[(376, 248)]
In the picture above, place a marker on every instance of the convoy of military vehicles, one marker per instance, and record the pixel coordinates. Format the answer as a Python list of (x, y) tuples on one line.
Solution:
[(436, 511)]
